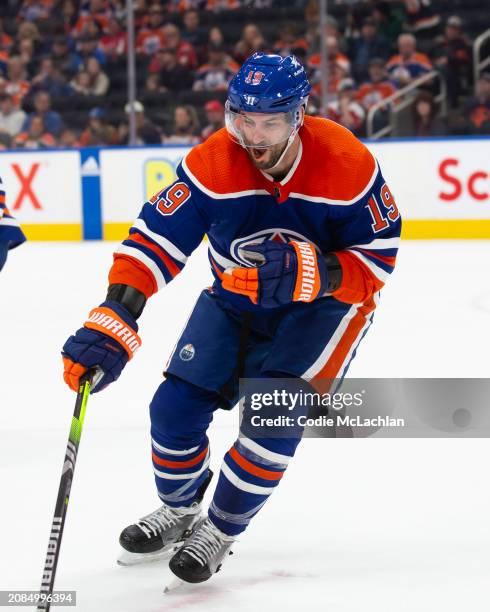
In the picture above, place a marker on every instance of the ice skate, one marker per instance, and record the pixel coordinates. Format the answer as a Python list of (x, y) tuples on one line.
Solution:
[(161, 532), (202, 554)]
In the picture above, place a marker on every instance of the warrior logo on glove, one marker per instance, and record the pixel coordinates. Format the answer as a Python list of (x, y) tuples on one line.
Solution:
[(284, 273)]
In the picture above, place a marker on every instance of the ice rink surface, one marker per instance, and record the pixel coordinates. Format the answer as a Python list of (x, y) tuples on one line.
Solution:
[(355, 526)]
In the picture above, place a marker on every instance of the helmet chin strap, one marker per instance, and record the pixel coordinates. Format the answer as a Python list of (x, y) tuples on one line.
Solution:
[(286, 148)]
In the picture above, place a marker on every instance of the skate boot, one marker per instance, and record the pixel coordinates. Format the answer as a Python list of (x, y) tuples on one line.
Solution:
[(202, 554), (160, 533)]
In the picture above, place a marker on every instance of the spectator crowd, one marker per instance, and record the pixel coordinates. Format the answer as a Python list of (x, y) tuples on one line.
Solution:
[(63, 65)]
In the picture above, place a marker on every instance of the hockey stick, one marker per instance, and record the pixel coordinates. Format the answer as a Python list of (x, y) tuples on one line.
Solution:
[(49, 573)]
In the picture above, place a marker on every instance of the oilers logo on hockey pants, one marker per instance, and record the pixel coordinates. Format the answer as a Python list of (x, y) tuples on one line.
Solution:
[(300, 340)]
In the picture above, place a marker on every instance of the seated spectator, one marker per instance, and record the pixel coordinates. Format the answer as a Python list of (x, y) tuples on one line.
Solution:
[(17, 85), (49, 79), (99, 81), (52, 122), (28, 31), (216, 37), (345, 110), (97, 11), (65, 60), (424, 115), (477, 109), (408, 64), (27, 54), (88, 46), (336, 74), (215, 115), (68, 139), (217, 73), (98, 132), (422, 18), (334, 56), (250, 42), (222, 5), (114, 43), (185, 128), (151, 37), (11, 118), (452, 56), (369, 45), (186, 55), (68, 16), (35, 136), (153, 84), (288, 40), (6, 41), (146, 131), (193, 32), (82, 83), (377, 87), (389, 18), (35, 10), (173, 76)]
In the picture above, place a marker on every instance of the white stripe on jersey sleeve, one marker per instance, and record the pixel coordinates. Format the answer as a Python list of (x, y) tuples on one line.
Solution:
[(379, 244), (380, 274), (166, 245), (7, 221), (146, 261)]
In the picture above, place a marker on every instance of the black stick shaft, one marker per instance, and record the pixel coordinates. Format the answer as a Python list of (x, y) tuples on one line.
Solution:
[(51, 563)]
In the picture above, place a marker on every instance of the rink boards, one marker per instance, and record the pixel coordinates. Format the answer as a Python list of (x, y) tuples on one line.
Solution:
[(442, 187)]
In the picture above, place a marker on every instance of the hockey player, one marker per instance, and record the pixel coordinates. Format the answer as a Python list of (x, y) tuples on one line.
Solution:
[(11, 234), (303, 232)]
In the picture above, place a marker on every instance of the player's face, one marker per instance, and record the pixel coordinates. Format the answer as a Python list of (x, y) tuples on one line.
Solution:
[(265, 137)]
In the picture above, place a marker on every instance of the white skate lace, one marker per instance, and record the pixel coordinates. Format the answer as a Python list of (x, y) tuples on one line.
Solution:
[(206, 542), (163, 518)]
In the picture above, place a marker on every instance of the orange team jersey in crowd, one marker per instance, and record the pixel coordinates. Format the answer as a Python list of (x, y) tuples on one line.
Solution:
[(6, 42), (17, 90), (334, 196), (369, 94), (150, 40), (340, 59)]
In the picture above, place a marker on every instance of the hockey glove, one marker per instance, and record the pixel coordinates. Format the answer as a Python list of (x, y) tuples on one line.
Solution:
[(108, 340), (285, 273)]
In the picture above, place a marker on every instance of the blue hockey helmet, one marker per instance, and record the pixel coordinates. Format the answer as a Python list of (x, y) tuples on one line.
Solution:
[(267, 84)]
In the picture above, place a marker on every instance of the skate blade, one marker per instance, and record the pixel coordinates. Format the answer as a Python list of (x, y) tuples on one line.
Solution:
[(127, 559), (173, 584)]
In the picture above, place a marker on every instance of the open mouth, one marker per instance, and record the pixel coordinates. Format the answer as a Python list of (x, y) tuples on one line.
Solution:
[(258, 154)]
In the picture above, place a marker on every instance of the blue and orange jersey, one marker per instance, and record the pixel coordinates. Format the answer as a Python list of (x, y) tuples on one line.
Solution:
[(10, 231), (334, 197), (417, 64)]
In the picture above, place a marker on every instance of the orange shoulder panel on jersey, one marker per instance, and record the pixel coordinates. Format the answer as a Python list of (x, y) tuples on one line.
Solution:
[(214, 163), (340, 168)]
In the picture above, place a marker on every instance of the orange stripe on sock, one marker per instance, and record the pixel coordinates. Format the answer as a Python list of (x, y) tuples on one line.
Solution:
[(169, 264), (253, 469), (179, 464)]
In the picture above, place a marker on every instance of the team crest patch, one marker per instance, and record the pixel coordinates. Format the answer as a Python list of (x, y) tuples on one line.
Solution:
[(277, 234), (187, 352)]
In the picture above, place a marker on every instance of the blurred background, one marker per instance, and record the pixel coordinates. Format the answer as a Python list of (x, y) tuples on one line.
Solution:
[(64, 68), (89, 77)]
